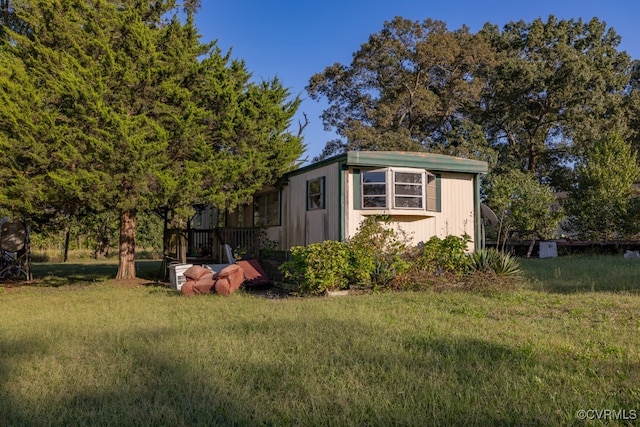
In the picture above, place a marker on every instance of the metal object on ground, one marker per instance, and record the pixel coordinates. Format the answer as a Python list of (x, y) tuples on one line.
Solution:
[(15, 251)]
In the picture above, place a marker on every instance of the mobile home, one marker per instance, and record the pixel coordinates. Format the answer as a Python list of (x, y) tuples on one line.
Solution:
[(425, 195)]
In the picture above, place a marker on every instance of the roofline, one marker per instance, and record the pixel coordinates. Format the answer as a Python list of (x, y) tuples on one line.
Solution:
[(430, 161)]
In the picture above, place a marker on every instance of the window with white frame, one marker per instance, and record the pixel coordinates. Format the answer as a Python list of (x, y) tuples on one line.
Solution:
[(374, 189), (315, 194), (394, 188), (266, 209)]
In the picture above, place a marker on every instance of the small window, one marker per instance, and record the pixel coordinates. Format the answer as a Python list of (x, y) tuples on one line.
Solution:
[(266, 210), (315, 194), (407, 187), (374, 189), (399, 189)]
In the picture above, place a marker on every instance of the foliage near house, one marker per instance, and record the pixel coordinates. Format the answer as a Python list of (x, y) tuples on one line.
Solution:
[(405, 90), (602, 204), (525, 96), (380, 257), (124, 110), (319, 267), (522, 204)]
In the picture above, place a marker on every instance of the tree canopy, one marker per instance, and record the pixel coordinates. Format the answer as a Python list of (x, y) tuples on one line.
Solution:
[(406, 89), (124, 109), (523, 96), (529, 98), (601, 205), (557, 84)]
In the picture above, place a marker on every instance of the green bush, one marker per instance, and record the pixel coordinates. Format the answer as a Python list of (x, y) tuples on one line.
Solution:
[(491, 260), (371, 259), (319, 267), (379, 257), (448, 255), (377, 253)]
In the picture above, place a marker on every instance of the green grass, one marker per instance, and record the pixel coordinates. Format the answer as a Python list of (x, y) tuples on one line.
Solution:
[(586, 273), (104, 354)]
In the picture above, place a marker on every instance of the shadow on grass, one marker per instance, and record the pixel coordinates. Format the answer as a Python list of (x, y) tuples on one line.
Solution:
[(422, 381), (65, 274), (151, 390)]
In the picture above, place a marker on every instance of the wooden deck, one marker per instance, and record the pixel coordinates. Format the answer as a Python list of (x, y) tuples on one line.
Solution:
[(569, 246)]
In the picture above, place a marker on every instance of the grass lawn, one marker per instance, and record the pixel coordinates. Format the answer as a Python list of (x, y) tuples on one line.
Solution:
[(78, 349)]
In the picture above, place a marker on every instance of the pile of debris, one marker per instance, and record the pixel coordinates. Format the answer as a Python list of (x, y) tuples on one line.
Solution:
[(224, 279)]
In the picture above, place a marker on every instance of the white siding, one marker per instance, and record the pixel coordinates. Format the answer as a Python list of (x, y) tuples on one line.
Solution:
[(301, 227), (456, 216), (457, 213)]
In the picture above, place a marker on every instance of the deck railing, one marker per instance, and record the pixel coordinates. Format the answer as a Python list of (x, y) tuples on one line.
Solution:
[(209, 242)]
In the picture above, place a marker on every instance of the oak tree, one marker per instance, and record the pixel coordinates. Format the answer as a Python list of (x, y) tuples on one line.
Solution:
[(557, 83), (602, 205), (406, 89)]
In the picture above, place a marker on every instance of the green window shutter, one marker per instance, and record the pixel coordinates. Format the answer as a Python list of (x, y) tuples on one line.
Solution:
[(438, 193), (306, 196), (357, 189)]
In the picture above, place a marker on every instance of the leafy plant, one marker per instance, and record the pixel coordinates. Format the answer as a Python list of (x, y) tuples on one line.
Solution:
[(601, 205), (522, 203), (491, 260), (444, 255), (377, 251), (372, 258), (319, 267)]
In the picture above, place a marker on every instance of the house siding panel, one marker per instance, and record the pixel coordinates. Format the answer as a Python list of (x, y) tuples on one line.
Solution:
[(304, 227), (455, 215)]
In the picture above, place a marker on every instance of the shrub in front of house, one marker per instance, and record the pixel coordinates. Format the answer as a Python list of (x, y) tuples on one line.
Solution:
[(448, 255), (378, 253), (373, 258), (493, 261), (318, 267), (379, 257)]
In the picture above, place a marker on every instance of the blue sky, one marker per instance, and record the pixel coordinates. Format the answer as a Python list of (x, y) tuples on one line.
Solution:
[(295, 39)]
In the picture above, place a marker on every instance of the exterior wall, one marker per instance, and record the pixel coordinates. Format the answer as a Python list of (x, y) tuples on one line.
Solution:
[(456, 188), (458, 208), (456, 215), (301, 226)]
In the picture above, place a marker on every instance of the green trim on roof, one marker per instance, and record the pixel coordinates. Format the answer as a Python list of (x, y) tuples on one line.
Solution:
[(429, 161), (317, 165)]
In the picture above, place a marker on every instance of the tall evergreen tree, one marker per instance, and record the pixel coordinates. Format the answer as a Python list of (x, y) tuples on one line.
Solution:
[(133, 113)]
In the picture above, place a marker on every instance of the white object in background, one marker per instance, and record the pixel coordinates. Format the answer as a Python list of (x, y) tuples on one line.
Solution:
[(548, 250), (176, 274)]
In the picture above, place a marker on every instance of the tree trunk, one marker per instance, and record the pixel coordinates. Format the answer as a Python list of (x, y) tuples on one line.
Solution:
[(126, 264), (65, 257)]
